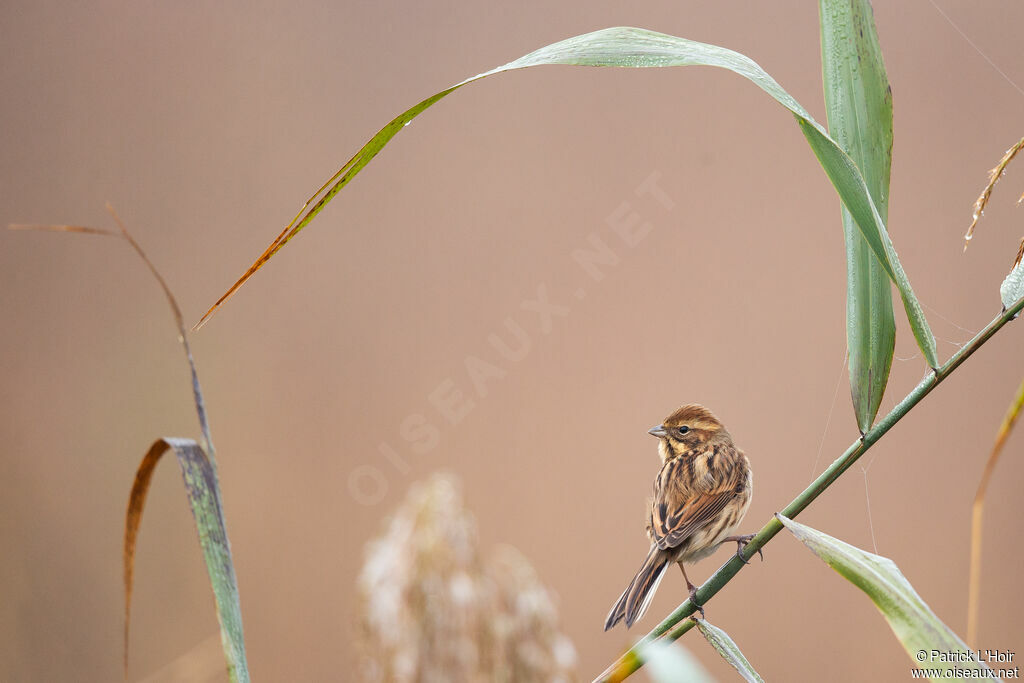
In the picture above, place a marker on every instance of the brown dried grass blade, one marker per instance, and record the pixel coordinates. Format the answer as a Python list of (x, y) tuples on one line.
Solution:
[(136, 503), (977, 512), (179, 320), (63, 228)]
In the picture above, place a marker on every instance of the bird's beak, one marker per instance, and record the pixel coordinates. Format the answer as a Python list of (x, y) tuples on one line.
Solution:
[(658, 431)]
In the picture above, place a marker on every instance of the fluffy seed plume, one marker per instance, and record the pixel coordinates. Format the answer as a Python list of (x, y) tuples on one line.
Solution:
[(433, 609)]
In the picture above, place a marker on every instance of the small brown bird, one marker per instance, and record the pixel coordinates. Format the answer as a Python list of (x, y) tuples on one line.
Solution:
[(700, 497)]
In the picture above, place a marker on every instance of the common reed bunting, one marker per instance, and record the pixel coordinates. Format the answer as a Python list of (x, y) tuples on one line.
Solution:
[(700, 497)]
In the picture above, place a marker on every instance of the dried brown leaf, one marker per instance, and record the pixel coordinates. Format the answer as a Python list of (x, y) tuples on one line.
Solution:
[(136, 503)]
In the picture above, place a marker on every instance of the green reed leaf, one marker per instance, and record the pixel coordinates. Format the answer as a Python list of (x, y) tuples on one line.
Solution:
[(858, 100)]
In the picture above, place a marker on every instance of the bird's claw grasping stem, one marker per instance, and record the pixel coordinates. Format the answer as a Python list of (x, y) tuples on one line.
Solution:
[(741, 543)]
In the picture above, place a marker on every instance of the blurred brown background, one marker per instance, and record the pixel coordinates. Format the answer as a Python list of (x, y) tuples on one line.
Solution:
[(208, 126)]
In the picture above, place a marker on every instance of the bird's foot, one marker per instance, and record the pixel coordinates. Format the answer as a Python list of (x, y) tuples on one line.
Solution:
[(693, 599), (741, 543)]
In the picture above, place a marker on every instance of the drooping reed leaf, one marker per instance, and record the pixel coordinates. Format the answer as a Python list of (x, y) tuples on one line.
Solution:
[(910, 618), (858, 101), (634, 47), (730, 652), (199, 470), (203, 494)]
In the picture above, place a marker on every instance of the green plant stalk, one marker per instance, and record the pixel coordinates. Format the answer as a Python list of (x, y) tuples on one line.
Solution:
[(632, 660)]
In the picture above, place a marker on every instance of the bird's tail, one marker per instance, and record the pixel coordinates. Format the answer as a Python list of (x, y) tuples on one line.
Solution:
[(634, 601)]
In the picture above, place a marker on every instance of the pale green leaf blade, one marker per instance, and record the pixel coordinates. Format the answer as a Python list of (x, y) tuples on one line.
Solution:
[(913, 622), (639, 48), (673, 663), (204, 498), (203, 491), (729, 651), (858, 101), (851, 188)]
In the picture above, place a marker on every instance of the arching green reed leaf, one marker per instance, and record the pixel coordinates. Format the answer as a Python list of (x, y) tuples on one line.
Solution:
[(634, 47)]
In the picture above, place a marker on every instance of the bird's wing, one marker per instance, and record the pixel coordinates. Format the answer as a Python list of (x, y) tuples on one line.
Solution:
[(678, 511)]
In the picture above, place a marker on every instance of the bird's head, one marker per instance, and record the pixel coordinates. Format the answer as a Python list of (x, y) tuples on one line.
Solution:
[(687, 430)]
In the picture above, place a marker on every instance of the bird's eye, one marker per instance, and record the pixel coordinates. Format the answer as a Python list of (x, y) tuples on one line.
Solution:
[(684, 429)]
